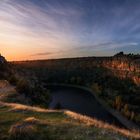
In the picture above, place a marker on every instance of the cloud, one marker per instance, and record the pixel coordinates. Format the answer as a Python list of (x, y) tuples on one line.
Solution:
[(106, 46), (39, 54), (52, 22)]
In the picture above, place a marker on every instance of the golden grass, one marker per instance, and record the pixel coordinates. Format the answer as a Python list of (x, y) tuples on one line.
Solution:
[(6, 89), (84, 119), (20, 107), (22, 129), (27, 129), (3, 83), (94, 122), (32, 120)]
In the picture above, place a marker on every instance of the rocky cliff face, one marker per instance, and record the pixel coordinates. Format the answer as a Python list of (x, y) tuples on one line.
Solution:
[(124, 67)]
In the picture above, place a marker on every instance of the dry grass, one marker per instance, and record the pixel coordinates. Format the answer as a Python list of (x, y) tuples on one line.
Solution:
[(22, 131), (6, 90), (32, 120), (3, 83), (27, 129), (21, 128), (94, 122), (20, 107), (84, 119)]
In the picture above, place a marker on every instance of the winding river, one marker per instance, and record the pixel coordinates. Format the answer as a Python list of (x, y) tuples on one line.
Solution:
[(80, 101)]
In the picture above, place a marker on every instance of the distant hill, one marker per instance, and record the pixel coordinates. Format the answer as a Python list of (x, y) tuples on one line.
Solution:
[(126, 66)]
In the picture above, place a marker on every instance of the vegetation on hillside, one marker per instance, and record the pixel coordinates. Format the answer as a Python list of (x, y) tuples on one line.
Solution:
[(31, 92)]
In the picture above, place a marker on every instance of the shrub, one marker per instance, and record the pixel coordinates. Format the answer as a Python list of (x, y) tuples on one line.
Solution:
[(58, 106), (132, 116), (22, 131), (118, 102), (13, 80), (72, 80), (96, 88), (137, 118), (23, 86), (126, 111)]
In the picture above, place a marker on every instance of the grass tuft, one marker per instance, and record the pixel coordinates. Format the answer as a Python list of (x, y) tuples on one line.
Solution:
[(22, 131)]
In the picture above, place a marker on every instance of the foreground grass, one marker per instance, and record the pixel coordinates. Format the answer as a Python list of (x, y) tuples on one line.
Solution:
[(52, 125)]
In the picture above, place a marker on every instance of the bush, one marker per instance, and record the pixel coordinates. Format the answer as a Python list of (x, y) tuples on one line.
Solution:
[(118, 103), (23, 86), (96, 88), (132, 116), (40, 95), (22, 131), (126, 111), (13, 80), (137, 118), (58, 106)]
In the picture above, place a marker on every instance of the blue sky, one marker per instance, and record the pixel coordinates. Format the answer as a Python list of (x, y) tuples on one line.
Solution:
[(38, 29)]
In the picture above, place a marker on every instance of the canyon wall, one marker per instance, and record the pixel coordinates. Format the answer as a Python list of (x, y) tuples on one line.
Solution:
[(124, 67)]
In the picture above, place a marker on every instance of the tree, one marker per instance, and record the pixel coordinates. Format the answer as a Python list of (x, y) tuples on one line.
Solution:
[(119, 54), (72, 80), (132, 115), (118, 102), (96, 88), (126, 111), (23, 86), (58, 106)]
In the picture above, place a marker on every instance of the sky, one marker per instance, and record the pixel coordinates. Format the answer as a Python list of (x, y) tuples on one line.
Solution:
[(46, 29)]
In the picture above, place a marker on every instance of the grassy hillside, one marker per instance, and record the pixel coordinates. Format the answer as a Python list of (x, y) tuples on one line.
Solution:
[(22, 122), (50, 125)]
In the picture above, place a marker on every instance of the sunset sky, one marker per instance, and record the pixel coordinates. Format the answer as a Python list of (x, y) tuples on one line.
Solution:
[(43, 29)]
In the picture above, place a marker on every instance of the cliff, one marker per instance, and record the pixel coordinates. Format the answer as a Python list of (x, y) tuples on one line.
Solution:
[(124, 67)]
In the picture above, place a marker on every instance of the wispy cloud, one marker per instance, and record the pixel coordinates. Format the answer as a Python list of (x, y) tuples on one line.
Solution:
[(68, 26), (39, 54), (112, 45)]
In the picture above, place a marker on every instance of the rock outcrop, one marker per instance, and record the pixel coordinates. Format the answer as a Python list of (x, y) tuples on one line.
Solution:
[(125, 67)]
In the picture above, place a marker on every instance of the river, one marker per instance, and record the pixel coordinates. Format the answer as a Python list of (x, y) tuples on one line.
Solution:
[(80, 101)]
